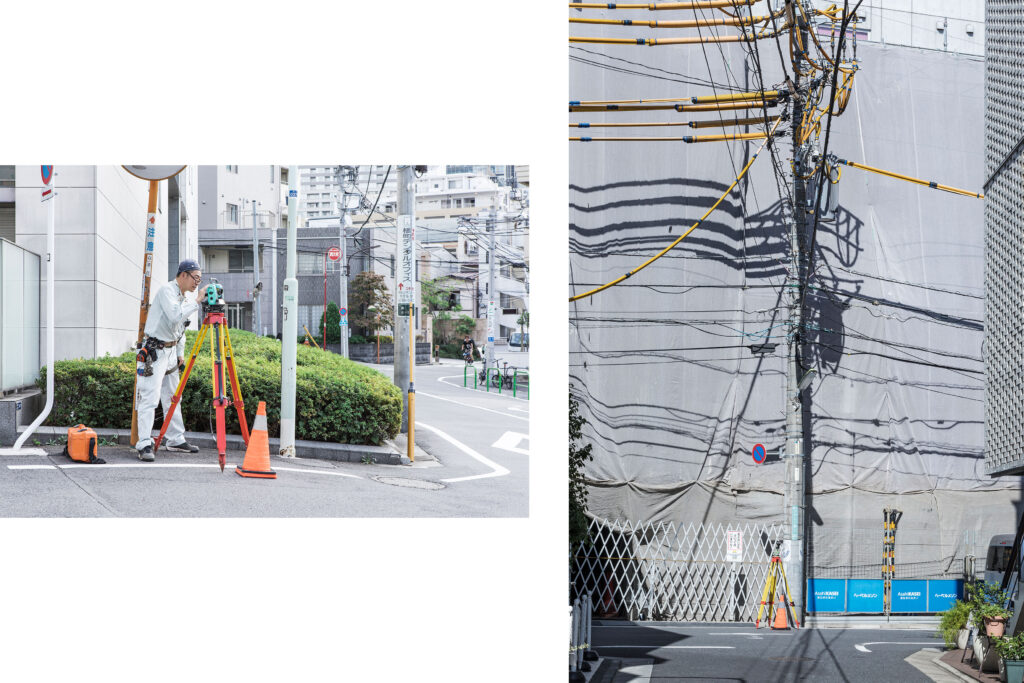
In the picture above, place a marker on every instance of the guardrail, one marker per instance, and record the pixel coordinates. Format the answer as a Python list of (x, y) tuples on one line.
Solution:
[(580, 628)]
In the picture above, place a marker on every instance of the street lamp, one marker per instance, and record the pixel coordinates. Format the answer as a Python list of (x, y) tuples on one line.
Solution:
[(373, 308)]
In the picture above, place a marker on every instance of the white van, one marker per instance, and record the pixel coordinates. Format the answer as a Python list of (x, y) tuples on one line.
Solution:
[(998, 558)]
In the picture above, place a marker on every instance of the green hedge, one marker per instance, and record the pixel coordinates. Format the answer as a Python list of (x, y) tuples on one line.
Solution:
[(337, 400)]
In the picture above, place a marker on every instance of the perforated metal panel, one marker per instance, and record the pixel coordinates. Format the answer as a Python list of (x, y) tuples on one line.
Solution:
[(1004, 237)]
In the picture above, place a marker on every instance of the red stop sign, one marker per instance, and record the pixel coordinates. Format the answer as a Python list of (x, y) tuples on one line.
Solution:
[(334, 253)]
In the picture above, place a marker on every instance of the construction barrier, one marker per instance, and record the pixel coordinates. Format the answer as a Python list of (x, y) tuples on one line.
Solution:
[(866, 596)]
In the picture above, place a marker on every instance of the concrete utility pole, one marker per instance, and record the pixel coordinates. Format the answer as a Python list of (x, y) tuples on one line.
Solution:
[(273, 281), (257, 319), (343, 245), (491, 312), (794, 455), (291, 322), (403, 342)]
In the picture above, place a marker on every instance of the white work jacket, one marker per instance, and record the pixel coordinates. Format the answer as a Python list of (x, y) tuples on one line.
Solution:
[(168, 313)]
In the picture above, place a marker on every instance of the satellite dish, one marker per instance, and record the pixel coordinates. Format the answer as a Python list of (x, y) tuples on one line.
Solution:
[(154, 172)]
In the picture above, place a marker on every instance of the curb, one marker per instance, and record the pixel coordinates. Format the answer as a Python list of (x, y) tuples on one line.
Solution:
[(382, 455), (959, 674)]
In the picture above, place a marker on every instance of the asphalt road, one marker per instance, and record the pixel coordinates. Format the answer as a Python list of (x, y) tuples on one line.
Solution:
[(731, 652), (480, 442)]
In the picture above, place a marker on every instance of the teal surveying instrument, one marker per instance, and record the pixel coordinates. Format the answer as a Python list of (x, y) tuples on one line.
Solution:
[(221, 355)]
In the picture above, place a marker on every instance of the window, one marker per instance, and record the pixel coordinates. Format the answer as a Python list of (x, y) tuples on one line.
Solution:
[(232, 169), (455, 184), (240, 261), (469, 201), (389, 208), (506, 301), (232, 213), (458, 203), (273, 176), (309, 316), (446, 203), (310, 263)]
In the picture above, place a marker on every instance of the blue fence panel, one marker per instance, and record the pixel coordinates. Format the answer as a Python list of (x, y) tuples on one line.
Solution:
[(909, 595), (826, 595), (864, 595), (942, 593)]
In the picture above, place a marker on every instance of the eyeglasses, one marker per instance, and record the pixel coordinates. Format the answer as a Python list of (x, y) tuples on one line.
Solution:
[(195, 279)]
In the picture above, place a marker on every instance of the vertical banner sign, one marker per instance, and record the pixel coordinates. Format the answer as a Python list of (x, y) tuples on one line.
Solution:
[(491, 321), (406, 266), (734, 545)]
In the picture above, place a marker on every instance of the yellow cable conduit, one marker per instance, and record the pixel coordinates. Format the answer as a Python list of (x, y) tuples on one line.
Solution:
[(692, 228)]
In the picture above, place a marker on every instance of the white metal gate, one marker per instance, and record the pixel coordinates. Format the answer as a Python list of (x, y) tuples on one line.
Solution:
[(674, 572)]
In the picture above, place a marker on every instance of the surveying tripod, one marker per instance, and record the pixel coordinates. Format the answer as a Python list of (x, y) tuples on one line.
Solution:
[(221, 353), (771, 586)]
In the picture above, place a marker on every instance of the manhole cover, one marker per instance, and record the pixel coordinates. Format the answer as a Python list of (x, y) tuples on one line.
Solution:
[(792, 659), (411, 483)]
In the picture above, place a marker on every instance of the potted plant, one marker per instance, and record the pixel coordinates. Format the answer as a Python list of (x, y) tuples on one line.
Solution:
[(953, 624), (1011, 650), (994, 616)]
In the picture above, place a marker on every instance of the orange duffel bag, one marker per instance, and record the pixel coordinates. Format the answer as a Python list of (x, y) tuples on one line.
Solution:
[(83, 445)]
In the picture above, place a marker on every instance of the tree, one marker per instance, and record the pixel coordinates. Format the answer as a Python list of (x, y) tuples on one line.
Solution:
[(464, 325), (438, 297), (370, 289), (523, 321), (578, 457), (333, 324)]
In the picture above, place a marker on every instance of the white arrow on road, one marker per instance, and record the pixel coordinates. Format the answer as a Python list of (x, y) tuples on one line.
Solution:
[(862, 647), (509, 441)]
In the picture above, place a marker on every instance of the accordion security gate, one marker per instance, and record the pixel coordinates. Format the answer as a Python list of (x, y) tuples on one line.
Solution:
[(674, 572)]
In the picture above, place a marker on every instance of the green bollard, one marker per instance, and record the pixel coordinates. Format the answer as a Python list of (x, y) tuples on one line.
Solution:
[(515, 375)]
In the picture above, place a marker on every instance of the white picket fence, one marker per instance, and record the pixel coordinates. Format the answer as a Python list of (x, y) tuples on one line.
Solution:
[(665, 571)]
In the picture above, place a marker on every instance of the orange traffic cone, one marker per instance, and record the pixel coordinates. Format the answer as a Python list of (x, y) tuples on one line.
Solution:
[(781, 620), (257, 455)]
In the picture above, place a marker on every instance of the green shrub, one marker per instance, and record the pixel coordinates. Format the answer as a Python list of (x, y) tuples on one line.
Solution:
[(359, 339), (1010, 648), (337, 400), (952, 620)]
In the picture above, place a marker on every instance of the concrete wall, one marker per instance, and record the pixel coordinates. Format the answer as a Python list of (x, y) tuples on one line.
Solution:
[(100, 227)]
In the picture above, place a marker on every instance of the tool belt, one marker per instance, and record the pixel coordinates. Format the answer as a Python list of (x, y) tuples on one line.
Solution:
[(147, 354)]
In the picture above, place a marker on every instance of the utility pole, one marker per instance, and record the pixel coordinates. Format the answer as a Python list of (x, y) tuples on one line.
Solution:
[(343, 241), (257, 319), (291, 322), (403, 340), (491, 312), (794, 456), (273, 282)]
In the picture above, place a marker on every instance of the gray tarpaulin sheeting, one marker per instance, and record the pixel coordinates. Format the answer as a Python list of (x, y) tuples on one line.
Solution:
[(674, 398)]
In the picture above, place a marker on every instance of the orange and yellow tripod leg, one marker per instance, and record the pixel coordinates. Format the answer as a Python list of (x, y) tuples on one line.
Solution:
[(181, 386), (236, 391)]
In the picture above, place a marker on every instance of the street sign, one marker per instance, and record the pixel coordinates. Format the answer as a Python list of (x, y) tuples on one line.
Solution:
[(406, 265), (293, 193), (491, 322), (334, 253), (734, 545), (154, 172), (343, 312), (46, 172), (759, 453)]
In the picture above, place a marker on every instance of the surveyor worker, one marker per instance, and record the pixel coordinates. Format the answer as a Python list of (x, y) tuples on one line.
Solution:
[(165, 334)]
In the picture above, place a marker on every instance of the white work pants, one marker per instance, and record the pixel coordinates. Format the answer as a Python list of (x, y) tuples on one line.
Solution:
[(159, 387)]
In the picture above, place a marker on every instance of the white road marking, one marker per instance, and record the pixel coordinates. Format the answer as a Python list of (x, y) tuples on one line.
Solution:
[(470, 405), (862, 647), (518, 409), (664, 647), (153, 465), (497, 470), (509, 441), (330, 472), (505, 393)]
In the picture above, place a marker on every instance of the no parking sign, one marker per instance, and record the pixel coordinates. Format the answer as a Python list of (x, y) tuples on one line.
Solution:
[(759, 453)]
